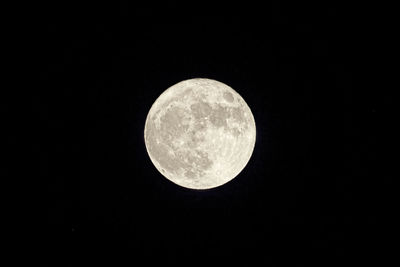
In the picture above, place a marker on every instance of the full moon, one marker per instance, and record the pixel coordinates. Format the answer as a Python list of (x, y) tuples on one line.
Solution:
[(200, 133)]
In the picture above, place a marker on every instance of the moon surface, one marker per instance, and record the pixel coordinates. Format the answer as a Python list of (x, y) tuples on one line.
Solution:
[(200, 133)]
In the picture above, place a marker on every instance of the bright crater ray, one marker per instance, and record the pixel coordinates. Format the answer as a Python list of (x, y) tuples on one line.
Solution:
[(200, 133)]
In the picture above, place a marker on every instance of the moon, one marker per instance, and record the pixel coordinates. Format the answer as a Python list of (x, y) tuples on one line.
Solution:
[(200, 133)]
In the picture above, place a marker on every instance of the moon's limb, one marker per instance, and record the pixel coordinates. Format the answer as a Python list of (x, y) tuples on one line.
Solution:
[(200, 133)]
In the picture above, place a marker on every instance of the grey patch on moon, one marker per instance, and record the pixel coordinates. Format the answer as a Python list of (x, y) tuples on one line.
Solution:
[(200, 133), (228, 96)]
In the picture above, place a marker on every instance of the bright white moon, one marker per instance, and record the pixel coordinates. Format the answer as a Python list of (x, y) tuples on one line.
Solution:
[(200, 133)]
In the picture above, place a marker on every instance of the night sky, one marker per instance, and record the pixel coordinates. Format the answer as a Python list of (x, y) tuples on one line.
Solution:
[(316, 188)]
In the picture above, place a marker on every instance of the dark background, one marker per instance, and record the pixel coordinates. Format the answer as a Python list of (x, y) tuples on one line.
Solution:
[(317, 188)]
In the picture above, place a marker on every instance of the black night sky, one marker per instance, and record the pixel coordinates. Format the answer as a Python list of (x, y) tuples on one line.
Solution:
[(315, 189)]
